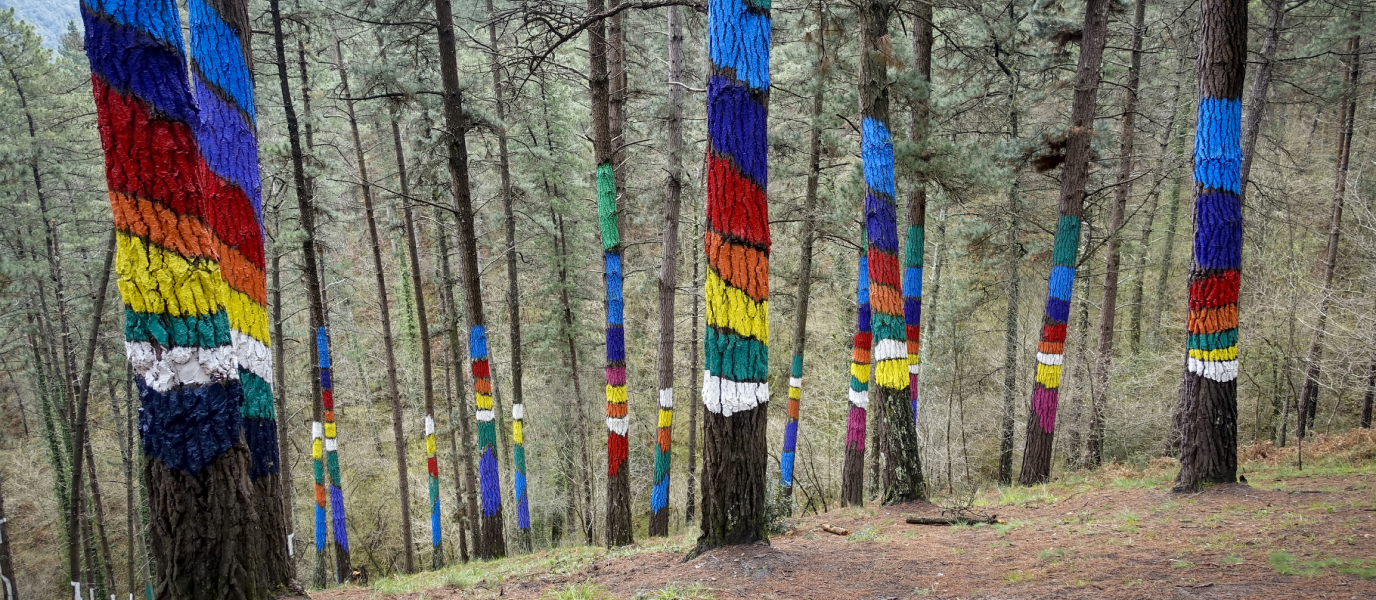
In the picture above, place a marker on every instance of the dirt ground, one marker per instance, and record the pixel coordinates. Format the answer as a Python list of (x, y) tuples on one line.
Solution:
[(1273, 539)]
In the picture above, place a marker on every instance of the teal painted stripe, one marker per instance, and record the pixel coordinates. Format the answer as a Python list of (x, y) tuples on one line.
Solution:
[(1067, 241), (739, 359), (257, 397), (487, 434), (798, 365), (1213, 341), (206, 331), (333, 459), (888, 327)]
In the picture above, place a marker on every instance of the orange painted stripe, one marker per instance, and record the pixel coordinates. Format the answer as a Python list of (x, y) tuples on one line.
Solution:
[(860, 355), (664, 438), (319, 495), (1051, 347), (793, 409), (1213, 320), (742, 267), (482, 386), (329, 415), (885, 299), (616, 410), (190, 237)]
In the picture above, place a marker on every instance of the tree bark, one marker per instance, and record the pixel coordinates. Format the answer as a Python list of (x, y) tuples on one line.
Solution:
[(9, 581), (853, 464), (493, 539), (1041, 421), (693, 392), (1208, 400), (668, 283), (581, 427), (468, 499), (735, 384), (1103, 365), (1261, 84), (1010, 330), (107, 565), (917, 222), (1309, 394)]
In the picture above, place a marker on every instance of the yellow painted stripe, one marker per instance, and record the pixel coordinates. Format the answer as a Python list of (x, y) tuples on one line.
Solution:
[(429, 445), (483, 401), (616, 394), (1049, 376), (155, 280), (795, 393), (731, 308), (666, 417), (329, 429), (860, 371), (892, 374), (516, 435), (1221, 354), (317, 449)]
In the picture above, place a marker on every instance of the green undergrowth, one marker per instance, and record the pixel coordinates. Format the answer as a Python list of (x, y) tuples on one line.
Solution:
[(1285, 563)]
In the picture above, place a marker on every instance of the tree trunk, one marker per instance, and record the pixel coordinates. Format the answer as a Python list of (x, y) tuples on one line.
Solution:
[(107, 569), (735, 385), (853, 465), (52, 437), (279, 379), (917, 217), (9, 581), (1010, 331), (1261, 84), (1041, 420), (388, 351), (581, 432), (1367, 401), (807, 235), (493, 539), (609, 216), (693, 391), (1309, 394), (1103, 366), (469, 499), (668, 283), (1208, 399), (1144, 241)]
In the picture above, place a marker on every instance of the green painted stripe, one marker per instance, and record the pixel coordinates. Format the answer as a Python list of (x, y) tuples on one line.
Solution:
[(857, 386), (661, 463), (257, 397), (606, 206), (797, 365), (206, 331), (736, 358), (333, 459), (888, 327), (1213, 341), (520, 458), (487, 434), (1067, 241), (319, 471), (912, 255)]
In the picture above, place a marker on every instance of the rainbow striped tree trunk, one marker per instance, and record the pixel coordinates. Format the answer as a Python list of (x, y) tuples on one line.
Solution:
[(1041, 419), (735, 384), (325, 452), (489, 480), (853, 468), (518, 438), (189, 257), (1208, 401), (902, 467)]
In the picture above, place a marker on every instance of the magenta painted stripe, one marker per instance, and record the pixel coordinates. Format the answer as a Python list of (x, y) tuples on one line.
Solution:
[(616, 375), (1044, 404), (855, 429)]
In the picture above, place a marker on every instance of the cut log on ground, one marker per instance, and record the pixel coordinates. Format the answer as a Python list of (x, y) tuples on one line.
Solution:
[(954, 520), (835, 530)]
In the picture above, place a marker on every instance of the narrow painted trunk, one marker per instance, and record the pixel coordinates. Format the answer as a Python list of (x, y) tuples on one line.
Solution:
[(1208, 399), (735, 383), (853, 467)]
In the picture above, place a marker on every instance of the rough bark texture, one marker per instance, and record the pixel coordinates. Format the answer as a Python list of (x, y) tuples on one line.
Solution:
[(694, 365), (668, 283), (492, 542), (853, 464), (1010, 330), (1041, 419), (9, 584), (580, 436), (1208, 398), (735, 386), (468, 498), (1309, 394), (1103, 366), (1261, 84)]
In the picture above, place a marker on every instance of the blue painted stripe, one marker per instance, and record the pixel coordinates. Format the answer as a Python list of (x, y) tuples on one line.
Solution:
[(912, 282), (912, 310), (156, 17), (876, 152), (880, 213), (786, 469), (863, 315), (791, 436), (1218, 231), (1061, 282), (319, 528), (616, 344), (477, 342), (341, 531), (229, 143), (1058, 310), (1218, 145), (159, 78), (189, 427), (862, 286), (322, 347), (217, 53), (615, 304), (435, 525), (326, 382), (736, 127), (489, 483), (659, 495), (261, 437), (739, 39)]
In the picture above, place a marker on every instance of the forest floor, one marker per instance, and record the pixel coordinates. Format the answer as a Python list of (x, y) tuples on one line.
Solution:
[(1116, 532)]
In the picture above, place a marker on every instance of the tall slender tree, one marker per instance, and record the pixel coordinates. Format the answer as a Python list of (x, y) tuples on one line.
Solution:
[(1208, 399), (735, 385), (668, 282), (1041, 419), (917, 200), (853, 465), (9, 581)]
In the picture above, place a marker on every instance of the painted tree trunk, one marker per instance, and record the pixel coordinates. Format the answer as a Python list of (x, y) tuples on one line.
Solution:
[(608, 217), (467, 503), (1103, 366), (1309, 394), (493, 538), (917, 204), (853, 466), (1041, 421), (668, 284), (808, 233), (735, 386), (195, 294), (1208, 398)]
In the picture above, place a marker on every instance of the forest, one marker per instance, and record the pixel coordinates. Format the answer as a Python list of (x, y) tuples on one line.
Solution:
[(270, 259)]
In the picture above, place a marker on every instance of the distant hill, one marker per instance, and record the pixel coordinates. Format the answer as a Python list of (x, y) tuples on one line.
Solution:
[(49, 17)]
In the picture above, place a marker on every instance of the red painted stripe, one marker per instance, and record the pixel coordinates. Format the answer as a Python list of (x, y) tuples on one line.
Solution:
[(327, 399), (1219, 289), (1053, 333), (735, 205), (157, 159), (884, 269), (617, 450), (433, 466), (480, 369)]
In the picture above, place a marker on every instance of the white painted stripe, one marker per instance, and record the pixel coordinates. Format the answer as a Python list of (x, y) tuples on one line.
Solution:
[(181, 365), (726, 397), (666, 398), (619, 426), (484, 416), (429, 425), (291, 551), (860, 399), (795, 382), (1050, 359), (890, 349), (1222, 371), (331, 445), (254, 356), (317, 430), (518, 411)]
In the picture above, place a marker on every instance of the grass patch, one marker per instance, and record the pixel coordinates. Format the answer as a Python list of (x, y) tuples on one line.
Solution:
[(678, 591), (1026, 495), (1284, 563), (868, 533), (578, 591)]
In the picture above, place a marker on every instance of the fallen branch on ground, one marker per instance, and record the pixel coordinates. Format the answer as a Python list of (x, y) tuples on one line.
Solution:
[(954, 520), (835, 530)]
